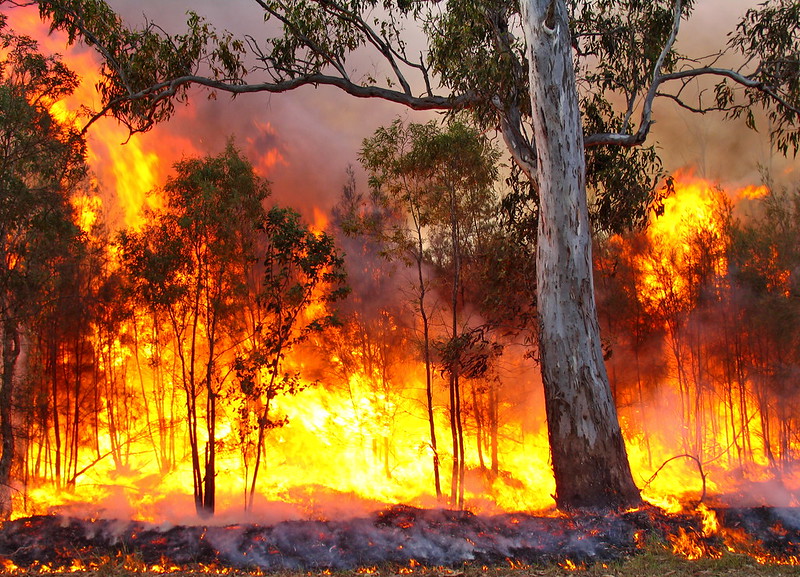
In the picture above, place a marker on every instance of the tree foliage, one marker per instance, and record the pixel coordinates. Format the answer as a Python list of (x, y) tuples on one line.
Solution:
[(41, 159), (767, 38), (190, 265)]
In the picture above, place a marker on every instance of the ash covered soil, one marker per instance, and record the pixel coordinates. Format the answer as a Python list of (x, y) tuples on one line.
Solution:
[(400, 536)]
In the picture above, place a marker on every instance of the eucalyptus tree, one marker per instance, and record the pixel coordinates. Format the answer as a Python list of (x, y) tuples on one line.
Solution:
[(560, 80), (441, 178), (191, 262), (302, 277), (41, 158)]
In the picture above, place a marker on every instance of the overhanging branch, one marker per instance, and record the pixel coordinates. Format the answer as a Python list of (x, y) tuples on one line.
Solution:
[(737, 77), (770, 92), (646, 120), (165, 90)]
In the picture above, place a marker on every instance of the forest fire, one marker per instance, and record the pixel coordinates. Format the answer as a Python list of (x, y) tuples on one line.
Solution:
[(322, 459), (686, 273)]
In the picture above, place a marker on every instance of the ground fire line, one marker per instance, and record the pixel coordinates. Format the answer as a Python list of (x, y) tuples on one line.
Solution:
[(399, 536)]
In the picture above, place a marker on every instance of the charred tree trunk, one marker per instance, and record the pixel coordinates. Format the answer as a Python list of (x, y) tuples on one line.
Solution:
[(426, 350), (11, 350), (588, 452)]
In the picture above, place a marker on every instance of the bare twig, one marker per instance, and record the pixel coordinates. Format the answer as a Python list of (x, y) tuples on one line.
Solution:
[(681, 456)]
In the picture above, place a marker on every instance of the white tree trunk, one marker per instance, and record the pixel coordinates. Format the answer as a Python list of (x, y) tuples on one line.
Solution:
[(588, 453)]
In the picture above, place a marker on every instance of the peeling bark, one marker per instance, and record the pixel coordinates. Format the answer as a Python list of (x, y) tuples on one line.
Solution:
[(588, 453)]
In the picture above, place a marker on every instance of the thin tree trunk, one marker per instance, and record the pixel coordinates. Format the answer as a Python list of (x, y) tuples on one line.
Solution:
[(454, 439), (456, 423), (194, 440), (494, 426), (53, 350), (11, 350), (479, 433), (263, 422), (588, 452), (426, 348), (210, 477), (76, 410)]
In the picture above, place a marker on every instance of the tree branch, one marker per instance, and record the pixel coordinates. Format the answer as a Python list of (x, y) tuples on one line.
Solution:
[(646, 120), (658, 79), (737, 77), (315, 47), (165, 90), (518, 144), (374, 38)]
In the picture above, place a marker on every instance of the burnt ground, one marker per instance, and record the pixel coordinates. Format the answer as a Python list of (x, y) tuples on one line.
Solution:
[(398, 536)]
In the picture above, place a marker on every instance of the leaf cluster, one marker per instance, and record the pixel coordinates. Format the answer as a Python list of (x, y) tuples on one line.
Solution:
[(475, 47), (441, 181), (317, 35), (41, 151), (417, 168), (41, 161), (618, 44), (142, 67), (470, 354), (203, 239), (303, 273), (768, 37), (623, 181)]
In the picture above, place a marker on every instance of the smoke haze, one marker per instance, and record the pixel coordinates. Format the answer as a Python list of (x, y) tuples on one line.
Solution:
[(302, 141), (320, 131)]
